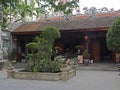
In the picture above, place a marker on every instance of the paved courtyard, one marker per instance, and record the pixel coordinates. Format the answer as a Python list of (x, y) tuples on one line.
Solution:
[(84, 80)]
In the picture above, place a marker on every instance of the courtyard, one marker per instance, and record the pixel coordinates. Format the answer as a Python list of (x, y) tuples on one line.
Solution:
[(84, 80), (35, 32)]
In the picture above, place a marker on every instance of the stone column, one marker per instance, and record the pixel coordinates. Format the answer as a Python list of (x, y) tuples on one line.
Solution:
[(64, 74), (9, 72), (74, 68)]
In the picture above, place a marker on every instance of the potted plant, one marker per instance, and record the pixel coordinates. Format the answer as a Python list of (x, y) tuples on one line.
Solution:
[(39, 60), (9, 64), (86, 57), (78, 47), (9, 67)]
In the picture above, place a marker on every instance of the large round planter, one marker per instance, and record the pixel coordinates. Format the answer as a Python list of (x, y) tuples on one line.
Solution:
[(65, 74), (37, 76)]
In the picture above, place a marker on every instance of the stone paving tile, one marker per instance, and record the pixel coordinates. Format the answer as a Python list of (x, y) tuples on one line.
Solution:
[(84, 80), (99, 67)]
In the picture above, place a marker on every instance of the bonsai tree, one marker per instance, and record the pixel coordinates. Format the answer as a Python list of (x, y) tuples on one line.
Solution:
[(38, 52), (41, 51), (79, 49), (86, 57), (86, 54), (51, 33), (113, 36)]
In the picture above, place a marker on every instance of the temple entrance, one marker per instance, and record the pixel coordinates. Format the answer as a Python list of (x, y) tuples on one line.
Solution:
[(68, 42)]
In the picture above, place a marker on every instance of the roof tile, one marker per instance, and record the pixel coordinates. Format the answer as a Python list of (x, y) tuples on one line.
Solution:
[(78, 22)]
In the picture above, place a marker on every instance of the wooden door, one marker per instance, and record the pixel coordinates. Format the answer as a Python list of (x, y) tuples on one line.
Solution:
[(96, 50)]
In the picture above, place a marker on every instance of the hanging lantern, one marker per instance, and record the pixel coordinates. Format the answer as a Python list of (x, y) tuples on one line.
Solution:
[(15, 39), (86, 37)]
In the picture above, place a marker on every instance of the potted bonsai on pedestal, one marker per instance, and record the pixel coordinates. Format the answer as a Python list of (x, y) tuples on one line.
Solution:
[(9, 67), (86, 57)]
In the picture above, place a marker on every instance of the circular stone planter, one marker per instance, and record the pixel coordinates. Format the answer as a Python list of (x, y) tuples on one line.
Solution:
[(37, 76), (65, 74)]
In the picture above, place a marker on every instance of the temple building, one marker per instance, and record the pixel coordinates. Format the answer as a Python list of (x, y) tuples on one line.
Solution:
[(88, 32)]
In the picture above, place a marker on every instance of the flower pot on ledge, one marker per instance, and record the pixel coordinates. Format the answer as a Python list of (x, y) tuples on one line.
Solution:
[(86, 57)]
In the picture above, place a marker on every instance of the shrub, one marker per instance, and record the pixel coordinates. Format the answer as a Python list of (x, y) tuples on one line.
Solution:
[(51, 33), (41, 51), (113, 36), (86, 54)]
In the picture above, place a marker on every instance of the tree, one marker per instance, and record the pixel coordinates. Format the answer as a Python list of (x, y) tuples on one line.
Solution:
[(41, 51), (39, 58), (113, 36), (16, 10), (51, 33), (65, 6)]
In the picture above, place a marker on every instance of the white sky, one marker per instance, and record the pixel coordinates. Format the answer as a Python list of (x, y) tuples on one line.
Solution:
[(100, 3)]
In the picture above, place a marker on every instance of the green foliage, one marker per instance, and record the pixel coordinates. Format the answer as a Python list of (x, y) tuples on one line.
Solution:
[(51, 33), (86, 54), (74, 60), (78, 46), (9, 64), (19, 9), (41, 51), (56, 65), (66, 8), (36, 68), (113, 36)]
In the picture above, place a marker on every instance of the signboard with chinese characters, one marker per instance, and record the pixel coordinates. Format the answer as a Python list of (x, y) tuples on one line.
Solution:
[(1, 14)]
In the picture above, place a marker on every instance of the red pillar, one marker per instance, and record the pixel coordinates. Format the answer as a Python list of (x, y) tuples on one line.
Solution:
[(87, 45), (96, 50)]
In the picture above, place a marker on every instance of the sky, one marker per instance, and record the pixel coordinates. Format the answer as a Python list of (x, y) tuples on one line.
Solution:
[(100, 3)]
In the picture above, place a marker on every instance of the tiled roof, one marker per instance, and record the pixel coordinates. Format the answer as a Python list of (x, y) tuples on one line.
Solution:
[(76, 23)]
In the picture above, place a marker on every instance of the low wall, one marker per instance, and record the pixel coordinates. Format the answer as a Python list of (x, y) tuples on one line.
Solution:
[(66, 74), (37, 76)]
